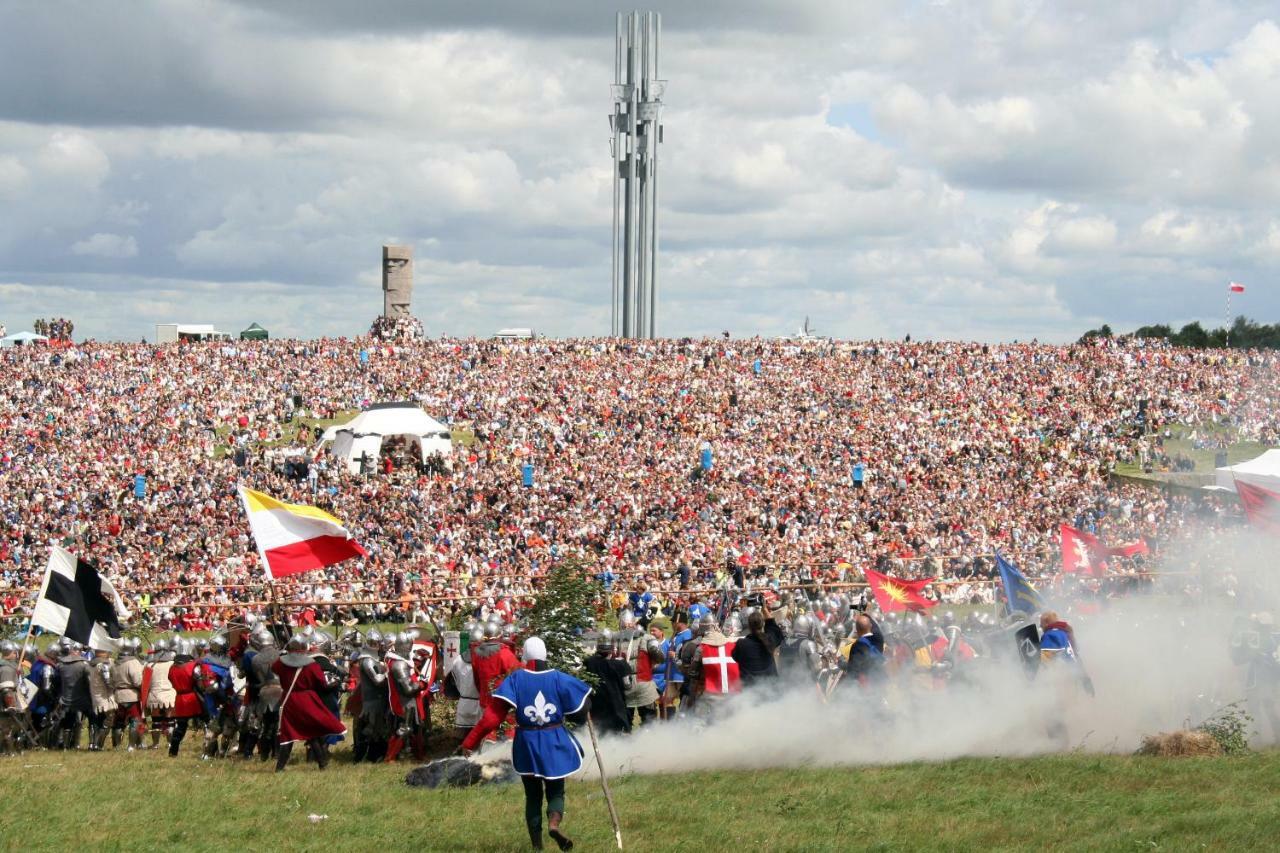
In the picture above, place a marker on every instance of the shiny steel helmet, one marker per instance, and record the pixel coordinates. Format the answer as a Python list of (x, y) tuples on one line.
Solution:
[(802, 626), (201, 645), (705, 624), (373, 639), (733, 625), (493, 628), (604, 642), (8, 647), (133, 645), (160, 645), (404, 644), (218, 644), (412, 633), (261, 636), (297, 643), (475, 634), (627, 619)]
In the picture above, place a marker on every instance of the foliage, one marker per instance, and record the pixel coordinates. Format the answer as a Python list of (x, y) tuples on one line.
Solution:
[(565, 606), (1245, 334), (1230, 728), (1063, 802)]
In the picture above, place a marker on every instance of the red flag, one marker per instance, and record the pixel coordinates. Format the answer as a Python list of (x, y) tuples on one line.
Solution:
[(1129, 549), (1081, 552), (1262, 506), (1236, 287), (896, 594)]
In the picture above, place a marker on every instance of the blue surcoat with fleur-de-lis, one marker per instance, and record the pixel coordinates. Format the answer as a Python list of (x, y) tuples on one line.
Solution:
[(541, 700)]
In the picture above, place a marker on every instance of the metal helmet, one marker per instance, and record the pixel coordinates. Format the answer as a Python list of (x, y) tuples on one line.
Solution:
[(297, 643), (218, 644), (706, 623), (30, 652), (373, 639), (802, 626), (261, 636), (509, 632), (948, 619), (413, 633), (404, 644), (733, 625), (493, 628), (160, 645), (8, 647), (133, 645), (475, 634), (201, 645), (604, 642), (627, 619)]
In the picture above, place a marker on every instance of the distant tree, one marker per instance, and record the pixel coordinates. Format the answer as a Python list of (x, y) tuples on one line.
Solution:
[(1244, 334), (1192, 335), (1160, 330), (1103, 331)]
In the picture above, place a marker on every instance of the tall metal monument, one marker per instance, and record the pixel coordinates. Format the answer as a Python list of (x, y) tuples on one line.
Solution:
[(637, 132)]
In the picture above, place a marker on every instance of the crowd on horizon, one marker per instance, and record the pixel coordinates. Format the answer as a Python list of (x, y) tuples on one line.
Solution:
[(665, 465)]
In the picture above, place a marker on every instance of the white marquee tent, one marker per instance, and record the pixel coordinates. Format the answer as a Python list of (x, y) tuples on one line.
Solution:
[(18, 339), (363, 435), (1262, 471)]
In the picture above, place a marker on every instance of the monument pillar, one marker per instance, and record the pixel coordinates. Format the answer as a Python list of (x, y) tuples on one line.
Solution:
[(397, 281)]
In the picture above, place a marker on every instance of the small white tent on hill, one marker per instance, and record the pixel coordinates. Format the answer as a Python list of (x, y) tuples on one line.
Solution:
[(363, 435), (1262, 471)]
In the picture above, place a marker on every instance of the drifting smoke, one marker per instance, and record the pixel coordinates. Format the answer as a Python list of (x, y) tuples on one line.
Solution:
[(1158, 661)]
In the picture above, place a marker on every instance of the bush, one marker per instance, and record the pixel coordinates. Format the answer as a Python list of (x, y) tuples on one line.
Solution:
[(1230, 728)]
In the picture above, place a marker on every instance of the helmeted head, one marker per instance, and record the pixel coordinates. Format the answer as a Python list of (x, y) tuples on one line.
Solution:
[(493, 628), (218, 644), (260, 637), (705, 625), (297, 644), (183, 647), (627, 619), (733, 625), (8, 649), (404, 644), (802, 626), (475, 634), (160, 645), (604, 642), (373, 640)]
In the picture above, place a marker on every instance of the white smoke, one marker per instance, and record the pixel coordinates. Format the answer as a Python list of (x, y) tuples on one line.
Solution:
[(1158, 662)]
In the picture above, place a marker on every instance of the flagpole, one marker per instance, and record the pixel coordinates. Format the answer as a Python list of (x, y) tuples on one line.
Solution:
[(31, 621), (1227, 324)]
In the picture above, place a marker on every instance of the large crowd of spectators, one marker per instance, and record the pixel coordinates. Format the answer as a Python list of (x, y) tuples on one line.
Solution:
[(666, 465), (397, 329)]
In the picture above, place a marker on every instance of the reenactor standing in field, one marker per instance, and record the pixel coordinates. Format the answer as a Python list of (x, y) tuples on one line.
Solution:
[(126, 684), (10, 699)]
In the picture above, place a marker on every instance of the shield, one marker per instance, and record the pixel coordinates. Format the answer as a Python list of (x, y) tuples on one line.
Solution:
[(423, 658), (1028, 641), (144, 692)]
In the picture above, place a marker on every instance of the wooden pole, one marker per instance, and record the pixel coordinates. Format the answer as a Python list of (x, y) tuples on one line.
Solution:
[(604, 783)]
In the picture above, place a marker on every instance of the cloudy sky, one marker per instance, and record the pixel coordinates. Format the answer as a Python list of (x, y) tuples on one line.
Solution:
[(990, 170)]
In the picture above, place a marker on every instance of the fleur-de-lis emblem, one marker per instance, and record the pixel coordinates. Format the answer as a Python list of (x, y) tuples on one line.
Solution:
[(539, 713)]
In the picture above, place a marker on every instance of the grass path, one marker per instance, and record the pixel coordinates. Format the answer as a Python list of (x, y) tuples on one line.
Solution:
[(145, 801)]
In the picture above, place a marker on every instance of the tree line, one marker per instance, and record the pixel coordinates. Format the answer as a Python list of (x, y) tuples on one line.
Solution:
[(1244, 333)]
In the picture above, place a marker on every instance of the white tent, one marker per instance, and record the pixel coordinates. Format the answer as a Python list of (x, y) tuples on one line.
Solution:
[(21, 338), (363, 435), (1261, 471)]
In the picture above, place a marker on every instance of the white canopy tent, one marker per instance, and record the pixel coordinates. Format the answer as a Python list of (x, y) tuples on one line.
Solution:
[(1262, 471), (364, 434), (18, 339)]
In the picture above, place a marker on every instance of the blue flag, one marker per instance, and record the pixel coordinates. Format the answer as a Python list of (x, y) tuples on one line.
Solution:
[(1019, 594)]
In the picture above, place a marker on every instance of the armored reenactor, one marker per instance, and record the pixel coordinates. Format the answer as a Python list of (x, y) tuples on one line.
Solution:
[(221, 700), (187, 705), (713, 670), (799, 656), (460, 684), (126, 687), (491, 661), (44, 675), (609, 712), (103, 698), (11, 710), (642, 653), (373, 724), (1255, 644), (266, 714), (160, 695), (404, 696), (302, 713), (74, 701)]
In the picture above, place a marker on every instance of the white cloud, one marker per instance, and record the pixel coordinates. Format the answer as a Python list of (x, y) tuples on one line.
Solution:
[(104, 245)]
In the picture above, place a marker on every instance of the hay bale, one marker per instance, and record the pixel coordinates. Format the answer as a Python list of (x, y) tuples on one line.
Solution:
[(1180, 743)]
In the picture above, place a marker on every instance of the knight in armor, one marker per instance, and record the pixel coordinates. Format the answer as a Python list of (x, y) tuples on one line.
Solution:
[(303, 715), (1255, 644), (372, 726), (609, 712), (404, 695), (949, 651), (217, 689), (160, 693), (126, 687), (642, 653), (460, 684), (335, 676), (266, 710), (44, 675), (673, 687), (491, 661), (186, 705), (74, 701), (11, 703), (799, 657), (544, 752), (712, 670), (103, 698)]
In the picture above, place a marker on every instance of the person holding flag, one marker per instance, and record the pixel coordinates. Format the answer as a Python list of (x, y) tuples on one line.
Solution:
[(1019, 595)]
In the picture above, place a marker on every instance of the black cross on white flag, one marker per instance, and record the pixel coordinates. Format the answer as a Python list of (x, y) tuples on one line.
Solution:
[(77, 602)]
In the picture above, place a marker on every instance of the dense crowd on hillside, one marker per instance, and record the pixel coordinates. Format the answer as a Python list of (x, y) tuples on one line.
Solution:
[(825, 458)]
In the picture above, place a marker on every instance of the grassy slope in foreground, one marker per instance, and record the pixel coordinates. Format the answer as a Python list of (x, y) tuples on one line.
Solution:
[(144, 801)]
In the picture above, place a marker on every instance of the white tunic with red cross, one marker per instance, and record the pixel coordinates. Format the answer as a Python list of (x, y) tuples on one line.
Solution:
[(720, 670)]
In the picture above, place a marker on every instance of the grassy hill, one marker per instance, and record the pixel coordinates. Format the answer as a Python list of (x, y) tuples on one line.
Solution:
[(146, 801)]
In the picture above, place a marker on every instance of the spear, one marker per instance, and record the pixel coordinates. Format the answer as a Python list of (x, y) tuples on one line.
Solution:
[(604, 783)]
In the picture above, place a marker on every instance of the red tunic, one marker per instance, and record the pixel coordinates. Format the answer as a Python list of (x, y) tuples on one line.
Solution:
[(303, 715), (182, 677), (490, 662)]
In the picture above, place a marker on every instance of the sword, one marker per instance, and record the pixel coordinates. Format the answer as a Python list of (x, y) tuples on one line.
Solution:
[(604, 783)]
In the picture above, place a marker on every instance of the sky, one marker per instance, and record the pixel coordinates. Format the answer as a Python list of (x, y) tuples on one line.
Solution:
[(988, 171)]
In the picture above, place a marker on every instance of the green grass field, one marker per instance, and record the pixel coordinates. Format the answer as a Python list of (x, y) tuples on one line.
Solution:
[(146, 801)]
